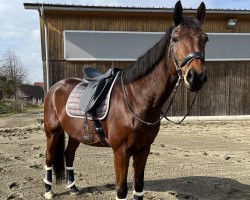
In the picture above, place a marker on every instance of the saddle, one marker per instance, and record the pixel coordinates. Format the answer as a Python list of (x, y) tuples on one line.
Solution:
[(98, 85)]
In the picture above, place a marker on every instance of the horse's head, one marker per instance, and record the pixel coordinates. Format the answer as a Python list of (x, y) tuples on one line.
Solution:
[(187, 47)]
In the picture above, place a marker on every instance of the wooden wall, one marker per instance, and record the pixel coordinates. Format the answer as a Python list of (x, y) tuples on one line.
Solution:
[(225, 93)]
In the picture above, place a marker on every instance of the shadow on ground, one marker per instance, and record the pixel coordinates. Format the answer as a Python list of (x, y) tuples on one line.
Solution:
[(192, 188), (201, 187)]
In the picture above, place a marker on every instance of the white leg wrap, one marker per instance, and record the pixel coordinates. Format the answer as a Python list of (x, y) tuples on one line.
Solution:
[(118, 198), (46, 181), (48, 195), (70, 185), (47, 168), (69, 168), (139, 194)]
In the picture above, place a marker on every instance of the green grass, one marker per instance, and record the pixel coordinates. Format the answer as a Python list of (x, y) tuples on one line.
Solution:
[(9, 107)]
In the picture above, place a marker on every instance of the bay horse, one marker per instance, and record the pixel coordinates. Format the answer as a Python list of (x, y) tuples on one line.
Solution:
[(133, 120)]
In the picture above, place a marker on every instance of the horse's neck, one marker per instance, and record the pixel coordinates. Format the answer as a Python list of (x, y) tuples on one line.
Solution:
[(152, 90)]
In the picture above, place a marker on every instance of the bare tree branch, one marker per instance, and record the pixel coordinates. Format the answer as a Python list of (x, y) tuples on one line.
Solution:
[(12, 72)]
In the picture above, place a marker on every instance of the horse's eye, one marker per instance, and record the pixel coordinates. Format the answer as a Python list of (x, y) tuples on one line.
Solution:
[(206, 39), (174, 39)]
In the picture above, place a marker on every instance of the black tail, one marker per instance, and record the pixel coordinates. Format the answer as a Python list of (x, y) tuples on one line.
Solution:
[(59, 164)]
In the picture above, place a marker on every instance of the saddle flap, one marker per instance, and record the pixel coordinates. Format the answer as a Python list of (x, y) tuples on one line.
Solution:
[(86, 96), (91, 94), (97, 88), (100, 87)]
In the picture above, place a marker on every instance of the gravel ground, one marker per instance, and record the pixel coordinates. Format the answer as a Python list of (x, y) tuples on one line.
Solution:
[(195, 160)]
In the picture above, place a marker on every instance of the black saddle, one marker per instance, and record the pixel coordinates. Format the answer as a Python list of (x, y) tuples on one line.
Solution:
[(97, 88)]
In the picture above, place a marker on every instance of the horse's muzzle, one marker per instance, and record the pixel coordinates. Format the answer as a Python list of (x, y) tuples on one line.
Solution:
[(193, 80)]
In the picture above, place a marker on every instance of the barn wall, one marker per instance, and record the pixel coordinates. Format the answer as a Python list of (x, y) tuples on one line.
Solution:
[(225, 93)]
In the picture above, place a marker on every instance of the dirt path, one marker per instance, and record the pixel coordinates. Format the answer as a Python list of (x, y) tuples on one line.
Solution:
[(200, 160)]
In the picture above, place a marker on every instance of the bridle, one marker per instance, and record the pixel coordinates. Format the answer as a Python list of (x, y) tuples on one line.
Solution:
[(178, 66), (185, 61)]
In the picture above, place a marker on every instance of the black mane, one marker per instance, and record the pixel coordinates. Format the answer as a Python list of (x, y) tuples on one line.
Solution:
[(152, 57), (146, 63)]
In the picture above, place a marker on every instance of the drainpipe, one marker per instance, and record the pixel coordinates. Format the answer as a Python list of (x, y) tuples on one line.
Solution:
[(46, 48)]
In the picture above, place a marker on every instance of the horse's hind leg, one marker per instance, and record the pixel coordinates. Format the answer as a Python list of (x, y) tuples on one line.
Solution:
[(55, 158), (70, 156), (140, 159)]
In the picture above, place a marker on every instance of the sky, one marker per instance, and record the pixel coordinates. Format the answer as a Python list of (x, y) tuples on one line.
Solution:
[(20, 30)]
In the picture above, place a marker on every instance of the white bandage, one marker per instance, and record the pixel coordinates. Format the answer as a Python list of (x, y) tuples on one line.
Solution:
[(70, 185), (47, 168), (47, 182), (139, 194), (70, 168)]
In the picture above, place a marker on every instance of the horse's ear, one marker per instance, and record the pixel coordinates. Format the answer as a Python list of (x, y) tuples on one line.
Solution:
[(201, 12), (178, 13)]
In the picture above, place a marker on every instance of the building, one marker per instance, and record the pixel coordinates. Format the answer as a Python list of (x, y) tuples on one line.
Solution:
[(71, 36), (41, 84), (30, 94)]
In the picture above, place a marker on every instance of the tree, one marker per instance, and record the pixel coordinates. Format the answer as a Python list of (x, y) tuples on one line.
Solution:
[(12, 73)]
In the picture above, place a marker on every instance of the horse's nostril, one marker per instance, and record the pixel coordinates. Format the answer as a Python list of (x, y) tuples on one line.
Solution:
[(190, 76), (203, 77)]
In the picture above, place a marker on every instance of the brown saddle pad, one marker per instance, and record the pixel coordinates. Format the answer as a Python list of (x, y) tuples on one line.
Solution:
[(73, 108)]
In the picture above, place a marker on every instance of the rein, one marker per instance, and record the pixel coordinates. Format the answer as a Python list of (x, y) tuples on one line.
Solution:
[(163, 115), (125, 95), (170, 103)]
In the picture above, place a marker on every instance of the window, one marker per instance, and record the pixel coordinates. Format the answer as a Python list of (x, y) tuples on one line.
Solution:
[(128, 46), (107, 45), (228, 47)]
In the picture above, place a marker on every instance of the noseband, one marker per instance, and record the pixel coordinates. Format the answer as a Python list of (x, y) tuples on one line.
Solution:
[(185, 61)]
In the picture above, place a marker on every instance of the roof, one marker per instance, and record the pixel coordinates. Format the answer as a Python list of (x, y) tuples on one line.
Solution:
[(67, 7), (32, 91), (41, 84)]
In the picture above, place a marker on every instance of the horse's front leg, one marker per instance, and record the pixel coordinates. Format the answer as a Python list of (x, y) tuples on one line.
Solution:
[(121, 161), (70, 156), (139, 163)]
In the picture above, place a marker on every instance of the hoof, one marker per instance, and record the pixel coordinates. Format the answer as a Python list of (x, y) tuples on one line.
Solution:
[(74, 190), (48, 195)]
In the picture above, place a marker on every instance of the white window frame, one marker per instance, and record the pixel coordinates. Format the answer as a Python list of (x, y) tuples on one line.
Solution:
[(159, 35)]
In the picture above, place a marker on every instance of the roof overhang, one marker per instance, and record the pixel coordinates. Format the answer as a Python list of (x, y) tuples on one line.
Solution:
[(81, 8)]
